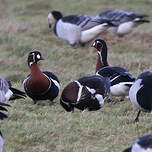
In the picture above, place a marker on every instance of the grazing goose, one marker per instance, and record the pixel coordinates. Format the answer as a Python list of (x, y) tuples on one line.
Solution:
[(7, 92), (125, 21), (77, 28), (2, 116), (121, 80), (85, 93), (140, 93), (142, 144), (40, 85)]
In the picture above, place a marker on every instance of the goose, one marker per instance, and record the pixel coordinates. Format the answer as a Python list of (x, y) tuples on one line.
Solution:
[(125, 21), (87, 92), (142, 144), (2, 116), (40, 85), (77, 28), (7, 92), (140, 93), (121, 80)]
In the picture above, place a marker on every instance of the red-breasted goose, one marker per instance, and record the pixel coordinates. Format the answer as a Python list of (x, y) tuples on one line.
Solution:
[(121, 80), (142, 144), (125, 21), (85, 93), (2, 116), (7, 92), (140, 93), (77, 28), (40, 85)]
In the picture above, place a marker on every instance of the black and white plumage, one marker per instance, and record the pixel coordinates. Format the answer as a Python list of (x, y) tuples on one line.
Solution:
[(142, 144), (121, 80), (77, 28), (40, 85), (140, 93), (7, 92), (125, 21), (2, 116), (85, 93)]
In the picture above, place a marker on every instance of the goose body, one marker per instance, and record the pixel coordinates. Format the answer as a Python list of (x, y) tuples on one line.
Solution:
[(125, 21), (7, 92), (85, 93), (140, 93), (40, 85), (2, 116), (142, 144), (121, 80), (77, 28)]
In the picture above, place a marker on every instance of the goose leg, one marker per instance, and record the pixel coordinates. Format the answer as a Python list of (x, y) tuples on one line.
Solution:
[(137, 117)]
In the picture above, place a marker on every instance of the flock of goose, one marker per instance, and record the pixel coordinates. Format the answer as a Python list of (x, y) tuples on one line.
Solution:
[(88, 92)]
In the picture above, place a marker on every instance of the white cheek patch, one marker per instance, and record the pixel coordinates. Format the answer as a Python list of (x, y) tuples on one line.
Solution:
[(38, 56), (51, 19), (100, 99)]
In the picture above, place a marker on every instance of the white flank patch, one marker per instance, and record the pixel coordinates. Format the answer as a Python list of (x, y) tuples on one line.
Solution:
[(1, 144), (80, 90), (92, 32), (56, 83), (51, 19), (137, 148), (120, 89), (8, 94), (100, 99), (137, 19), (91, 90), (125, 28), (68, 32), (133, 92), (114, 78)]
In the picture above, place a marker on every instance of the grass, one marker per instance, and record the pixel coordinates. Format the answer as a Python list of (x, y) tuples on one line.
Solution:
[(45, 128)]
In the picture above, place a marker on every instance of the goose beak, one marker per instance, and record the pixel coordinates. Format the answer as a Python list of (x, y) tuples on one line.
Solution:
[(41, 58), (50, 25)]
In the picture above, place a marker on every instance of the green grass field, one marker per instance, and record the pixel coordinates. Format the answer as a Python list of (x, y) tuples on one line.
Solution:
[(48, 128)]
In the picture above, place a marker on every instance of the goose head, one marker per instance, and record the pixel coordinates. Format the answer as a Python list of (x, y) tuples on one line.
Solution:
[(101, 47), (33, 57), (53, 17)]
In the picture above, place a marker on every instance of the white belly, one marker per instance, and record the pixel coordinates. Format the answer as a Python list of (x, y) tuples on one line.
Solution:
[(68, 32), (125, 28), (133, 93)]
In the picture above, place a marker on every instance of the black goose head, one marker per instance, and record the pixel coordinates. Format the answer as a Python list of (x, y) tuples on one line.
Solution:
[(53, 17), (34, 57), (101, 47)]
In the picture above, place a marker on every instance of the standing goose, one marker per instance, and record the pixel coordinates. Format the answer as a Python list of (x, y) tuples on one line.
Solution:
[(142, 144), (2, 116), (120, 79), (7, 92), (85, 93), (140, 93), (40, 85), (77, 28), (125, 21)]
